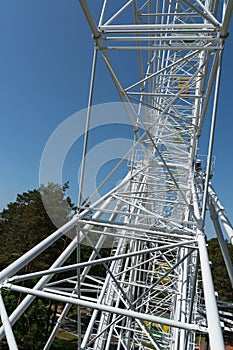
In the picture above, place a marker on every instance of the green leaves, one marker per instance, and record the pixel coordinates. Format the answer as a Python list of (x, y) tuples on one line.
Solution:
[(23, 224), (222, 283)]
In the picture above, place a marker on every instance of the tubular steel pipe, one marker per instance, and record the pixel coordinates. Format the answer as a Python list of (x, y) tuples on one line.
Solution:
[(222, 243), (39, 248), (114, 310), (29, 298), (98, 261), (7, 326), (211, 138), (220, 210), (214, 326)]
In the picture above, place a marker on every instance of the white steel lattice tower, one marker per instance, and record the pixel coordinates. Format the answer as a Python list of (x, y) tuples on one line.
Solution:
[(151, 297)]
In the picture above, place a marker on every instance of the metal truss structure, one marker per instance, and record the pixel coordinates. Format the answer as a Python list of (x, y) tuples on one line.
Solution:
[(151, 297)]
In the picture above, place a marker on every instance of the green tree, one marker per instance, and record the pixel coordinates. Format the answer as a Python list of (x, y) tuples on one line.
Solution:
[(32, 329), (23, 224), (221, 280)]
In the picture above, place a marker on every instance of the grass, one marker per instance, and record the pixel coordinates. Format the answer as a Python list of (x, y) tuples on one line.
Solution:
[(65, 341)]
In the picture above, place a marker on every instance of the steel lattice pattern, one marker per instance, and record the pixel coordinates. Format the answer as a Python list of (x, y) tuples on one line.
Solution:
[(154, 219)]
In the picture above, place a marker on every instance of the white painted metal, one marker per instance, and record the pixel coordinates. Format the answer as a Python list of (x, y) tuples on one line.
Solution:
[(222, 242), (154, 219), (220, 210), (215, 332), (7, 326), (107, 308)]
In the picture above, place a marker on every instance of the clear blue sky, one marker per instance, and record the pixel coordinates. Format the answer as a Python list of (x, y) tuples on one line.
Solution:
[(45, 60)]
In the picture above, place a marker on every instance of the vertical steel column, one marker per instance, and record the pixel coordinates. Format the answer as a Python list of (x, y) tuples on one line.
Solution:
[(87, 127), (222, 243), (220, 210), (214, 326), (7, 326), (211, 138), (78, 287)]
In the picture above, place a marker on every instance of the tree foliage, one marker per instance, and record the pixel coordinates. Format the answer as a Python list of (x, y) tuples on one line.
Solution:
[(23, 224), (221, 280), (32, 329)]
